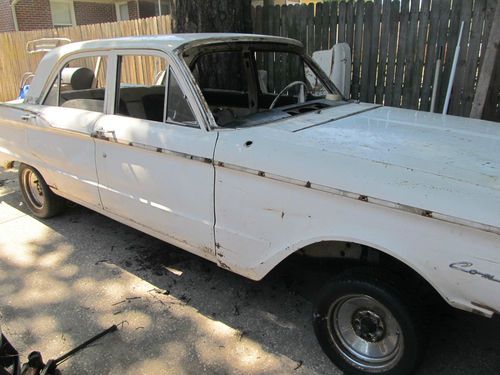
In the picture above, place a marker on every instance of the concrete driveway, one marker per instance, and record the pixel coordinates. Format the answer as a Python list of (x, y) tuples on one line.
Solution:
[(67, 278)]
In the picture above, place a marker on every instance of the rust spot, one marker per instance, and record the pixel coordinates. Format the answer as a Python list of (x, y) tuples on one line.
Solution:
[(217, 245), (9, 165), (308, 184), (207, 250), (207, 160), (427, 213), (261, 174), (282, 214), (158, 149), (220, 163), (363, 198), (224, 265)]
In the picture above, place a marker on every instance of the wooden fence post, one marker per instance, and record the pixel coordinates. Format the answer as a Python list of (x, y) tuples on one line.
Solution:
[(487, 67)]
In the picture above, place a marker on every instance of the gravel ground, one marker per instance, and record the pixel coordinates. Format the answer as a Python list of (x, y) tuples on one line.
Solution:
[(67, 278)]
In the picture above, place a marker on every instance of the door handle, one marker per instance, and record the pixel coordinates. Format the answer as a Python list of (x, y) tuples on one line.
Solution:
[(102, 134), (28, 116)]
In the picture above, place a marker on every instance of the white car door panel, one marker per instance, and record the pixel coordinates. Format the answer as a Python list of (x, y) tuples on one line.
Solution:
[(159, 176), (61, 140)]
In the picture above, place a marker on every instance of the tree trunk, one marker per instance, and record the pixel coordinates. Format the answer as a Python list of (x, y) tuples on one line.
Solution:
[(194, 16)]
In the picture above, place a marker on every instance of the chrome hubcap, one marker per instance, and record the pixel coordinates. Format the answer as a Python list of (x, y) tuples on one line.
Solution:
[(34, 189), (365, 333)]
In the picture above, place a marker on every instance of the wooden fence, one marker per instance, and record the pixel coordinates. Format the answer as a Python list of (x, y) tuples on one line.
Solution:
[(15, 61), (394, 44)]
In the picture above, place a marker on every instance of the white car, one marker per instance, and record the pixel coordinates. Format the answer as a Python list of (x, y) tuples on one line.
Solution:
[(239, 149)]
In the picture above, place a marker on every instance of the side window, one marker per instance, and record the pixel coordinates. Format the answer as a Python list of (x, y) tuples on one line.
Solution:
[(80, 84), (178, 109), (141, 88)]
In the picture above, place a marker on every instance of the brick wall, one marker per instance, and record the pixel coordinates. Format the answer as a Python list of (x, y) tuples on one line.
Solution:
[(6, 20), (33, 15), (133, 10), (88, 13)]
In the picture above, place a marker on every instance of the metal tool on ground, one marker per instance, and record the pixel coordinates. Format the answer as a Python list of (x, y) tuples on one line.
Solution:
[(36, 366)]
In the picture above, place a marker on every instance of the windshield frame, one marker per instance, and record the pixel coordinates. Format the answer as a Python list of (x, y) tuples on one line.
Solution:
[(192, 55)]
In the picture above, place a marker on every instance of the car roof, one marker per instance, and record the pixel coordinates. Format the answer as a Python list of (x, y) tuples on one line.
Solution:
[(169, 42)]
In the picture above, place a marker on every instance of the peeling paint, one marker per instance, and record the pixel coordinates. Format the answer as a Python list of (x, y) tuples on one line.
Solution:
[(223, 265), (427, 213)]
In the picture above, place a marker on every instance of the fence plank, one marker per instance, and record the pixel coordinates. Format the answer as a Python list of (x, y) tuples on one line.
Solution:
[(391, 60), (465, 15), (489, 80), (350, 24), (444, 16), (357, 49), (285, 18), (332, 22), (420, 53), (401, 56), (310, 28), (342, 22), (318, 26), (366, 51), (374, 49), (431, 57), (384, 44), (324, 20), (258, 21), (490, 15), (409, 75), (302, 25), (280, 68), (473, 51)]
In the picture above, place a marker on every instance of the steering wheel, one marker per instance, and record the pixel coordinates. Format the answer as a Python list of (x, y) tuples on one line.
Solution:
[(287, 87)]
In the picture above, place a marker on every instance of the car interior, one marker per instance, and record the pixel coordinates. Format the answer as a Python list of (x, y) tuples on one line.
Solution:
[(244, 84)]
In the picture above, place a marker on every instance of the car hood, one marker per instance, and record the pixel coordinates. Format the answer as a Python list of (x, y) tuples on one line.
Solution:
[(458, 148), (445, 164)]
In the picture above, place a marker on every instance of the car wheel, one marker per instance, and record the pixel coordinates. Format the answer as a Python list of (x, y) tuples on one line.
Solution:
[(365, 325), (42, 202)]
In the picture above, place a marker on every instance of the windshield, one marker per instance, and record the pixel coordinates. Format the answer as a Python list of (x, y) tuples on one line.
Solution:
[(247, 85)]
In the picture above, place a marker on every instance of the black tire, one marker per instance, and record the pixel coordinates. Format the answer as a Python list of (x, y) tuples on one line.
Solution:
[(42, 202), (368, 308)]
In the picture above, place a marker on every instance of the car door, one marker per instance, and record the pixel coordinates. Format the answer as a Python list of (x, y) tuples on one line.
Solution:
[(153, 159), (59, 130)]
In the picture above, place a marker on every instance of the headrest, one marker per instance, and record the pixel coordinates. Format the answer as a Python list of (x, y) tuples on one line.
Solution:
[(77, 78)]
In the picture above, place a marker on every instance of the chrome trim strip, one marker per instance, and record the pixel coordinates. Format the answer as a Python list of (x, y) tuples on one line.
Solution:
[(154, 149), (364, 198), (317, 187)]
